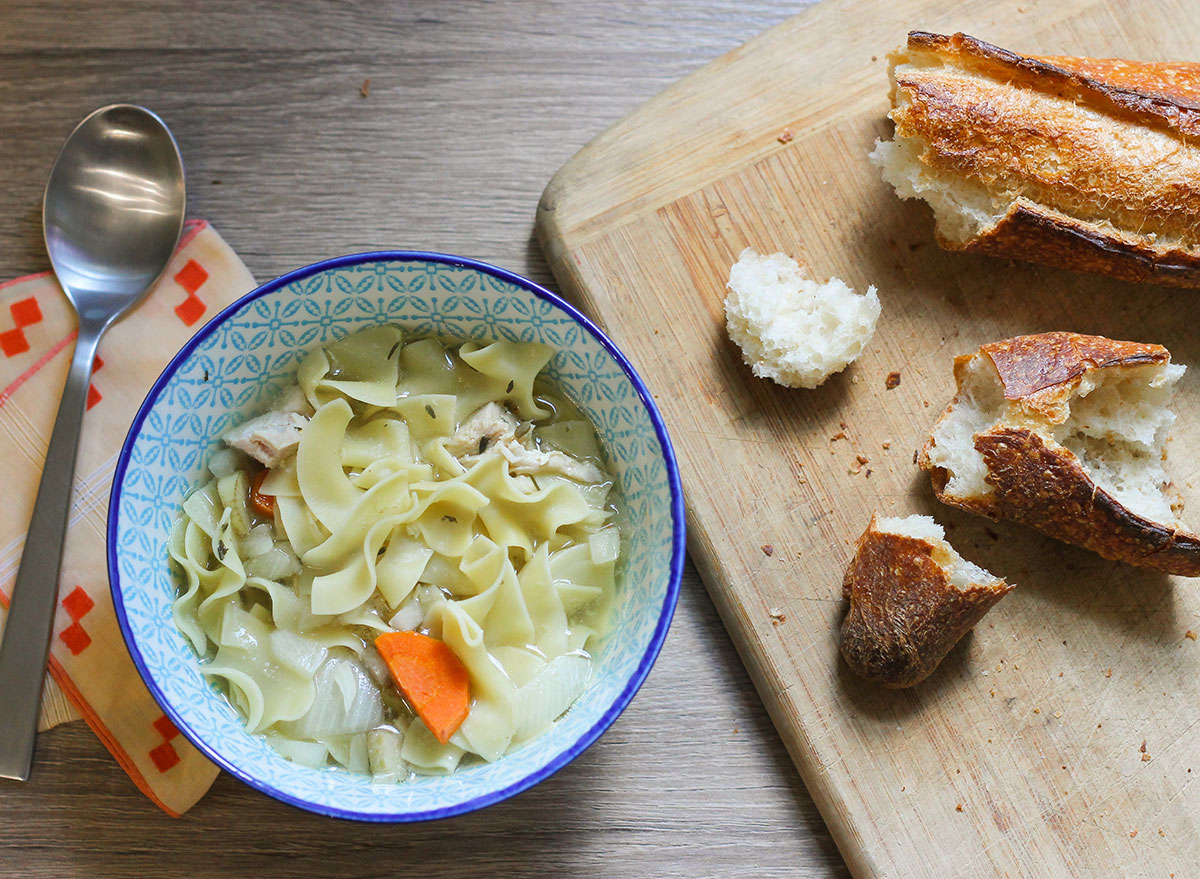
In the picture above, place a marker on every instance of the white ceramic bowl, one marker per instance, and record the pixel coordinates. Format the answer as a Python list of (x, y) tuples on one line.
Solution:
[(240, 359)]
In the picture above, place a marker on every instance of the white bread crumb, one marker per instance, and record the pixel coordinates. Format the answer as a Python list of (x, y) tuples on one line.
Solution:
[(790, 328)]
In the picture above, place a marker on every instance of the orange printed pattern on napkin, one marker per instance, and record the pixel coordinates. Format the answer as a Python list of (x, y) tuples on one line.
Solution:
[(88, 659)]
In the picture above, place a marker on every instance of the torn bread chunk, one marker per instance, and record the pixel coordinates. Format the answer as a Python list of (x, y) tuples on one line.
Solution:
[(912, 597), (1088, 164), (1067, 433), (492, 430), (269, 438), (792, 329)]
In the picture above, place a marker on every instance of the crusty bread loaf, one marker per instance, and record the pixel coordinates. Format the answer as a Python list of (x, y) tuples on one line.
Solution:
[(911, 598), (1074, 162), (1066, 433), (792, 329)]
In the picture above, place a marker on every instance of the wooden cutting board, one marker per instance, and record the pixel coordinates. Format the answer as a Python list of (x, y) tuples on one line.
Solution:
[(1060, 737)]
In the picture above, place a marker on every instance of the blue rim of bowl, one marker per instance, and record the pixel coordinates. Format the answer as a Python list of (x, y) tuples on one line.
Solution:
[(665, 615)]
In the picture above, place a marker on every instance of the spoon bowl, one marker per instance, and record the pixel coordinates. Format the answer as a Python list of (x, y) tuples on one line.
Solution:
[(113, 209), (112, 215)]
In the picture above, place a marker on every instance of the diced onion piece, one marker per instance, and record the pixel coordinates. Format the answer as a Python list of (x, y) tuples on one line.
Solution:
[(225, 462), (422, 750), (347, 683), (298, 653), (605, 545), (277, 563), (239, 629), (232, 490), (375, 666), (329, 714), (203, 508), (383, 753), (408, 617), (260, 539), (552, 691), (359, 762), (312, 754)]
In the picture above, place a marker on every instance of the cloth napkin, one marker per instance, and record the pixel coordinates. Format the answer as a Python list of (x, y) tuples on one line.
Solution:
[(88, 659)]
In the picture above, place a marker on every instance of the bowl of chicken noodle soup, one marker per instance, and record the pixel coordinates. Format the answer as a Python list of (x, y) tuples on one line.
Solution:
[(395, 536)]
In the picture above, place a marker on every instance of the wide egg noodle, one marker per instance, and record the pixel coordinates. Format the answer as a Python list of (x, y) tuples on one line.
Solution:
[(184, 608), (428, 416), (426, 754), (400, 567), (363, 366), (326, 489), (352, 580), (517, 517), (379, 438), (387, 499), (281, 481), (446, 513), (269, 691), (492, 693), (517, 365), (544, 606), (298, 525)]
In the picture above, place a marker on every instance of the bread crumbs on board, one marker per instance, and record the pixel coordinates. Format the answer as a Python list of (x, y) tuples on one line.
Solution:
[(365, 88), (768, 549), (1190, 635), (785, 136), (777, 616), (892, 381)]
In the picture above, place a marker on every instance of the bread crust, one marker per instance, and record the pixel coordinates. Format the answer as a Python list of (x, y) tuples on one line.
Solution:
[(905, 614), (1040, 235), (1037, 482), (1092, 157)]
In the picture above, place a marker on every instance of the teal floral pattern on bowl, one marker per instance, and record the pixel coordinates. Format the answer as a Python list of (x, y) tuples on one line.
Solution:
[(247, 354)]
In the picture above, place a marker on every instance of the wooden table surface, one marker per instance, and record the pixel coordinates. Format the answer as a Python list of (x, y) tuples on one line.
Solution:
[(472, 106)]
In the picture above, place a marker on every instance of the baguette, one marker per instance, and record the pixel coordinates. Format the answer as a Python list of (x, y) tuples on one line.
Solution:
[(1072, 162), (912, 597), (1066, 433)]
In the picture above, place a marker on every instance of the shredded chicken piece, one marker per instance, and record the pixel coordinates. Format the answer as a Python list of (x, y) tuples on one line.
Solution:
[(270, 438), (492, 429), (526, 461), (490, 423)]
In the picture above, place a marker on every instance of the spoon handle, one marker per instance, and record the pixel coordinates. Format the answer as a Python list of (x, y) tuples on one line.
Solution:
[(26, 639)]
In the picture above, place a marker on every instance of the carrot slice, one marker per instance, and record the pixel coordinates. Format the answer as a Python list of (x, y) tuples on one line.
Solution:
[(431, 678), (264, 504)]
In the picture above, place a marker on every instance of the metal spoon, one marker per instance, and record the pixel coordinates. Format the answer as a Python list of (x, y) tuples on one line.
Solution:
[(112, 215)]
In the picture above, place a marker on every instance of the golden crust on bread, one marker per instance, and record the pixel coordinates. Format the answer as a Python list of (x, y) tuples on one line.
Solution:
[(1043, 370), (1037, 481), (1153, 91), (905, 613), (1086, 164)]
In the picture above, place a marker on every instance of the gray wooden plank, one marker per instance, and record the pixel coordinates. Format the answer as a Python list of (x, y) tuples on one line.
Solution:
[(472, 107)]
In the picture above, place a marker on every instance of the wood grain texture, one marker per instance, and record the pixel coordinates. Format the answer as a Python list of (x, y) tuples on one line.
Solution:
[(472, 107), (1060, 738)]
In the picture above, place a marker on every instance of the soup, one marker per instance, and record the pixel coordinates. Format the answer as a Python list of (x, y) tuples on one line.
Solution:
[(408, 562)]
